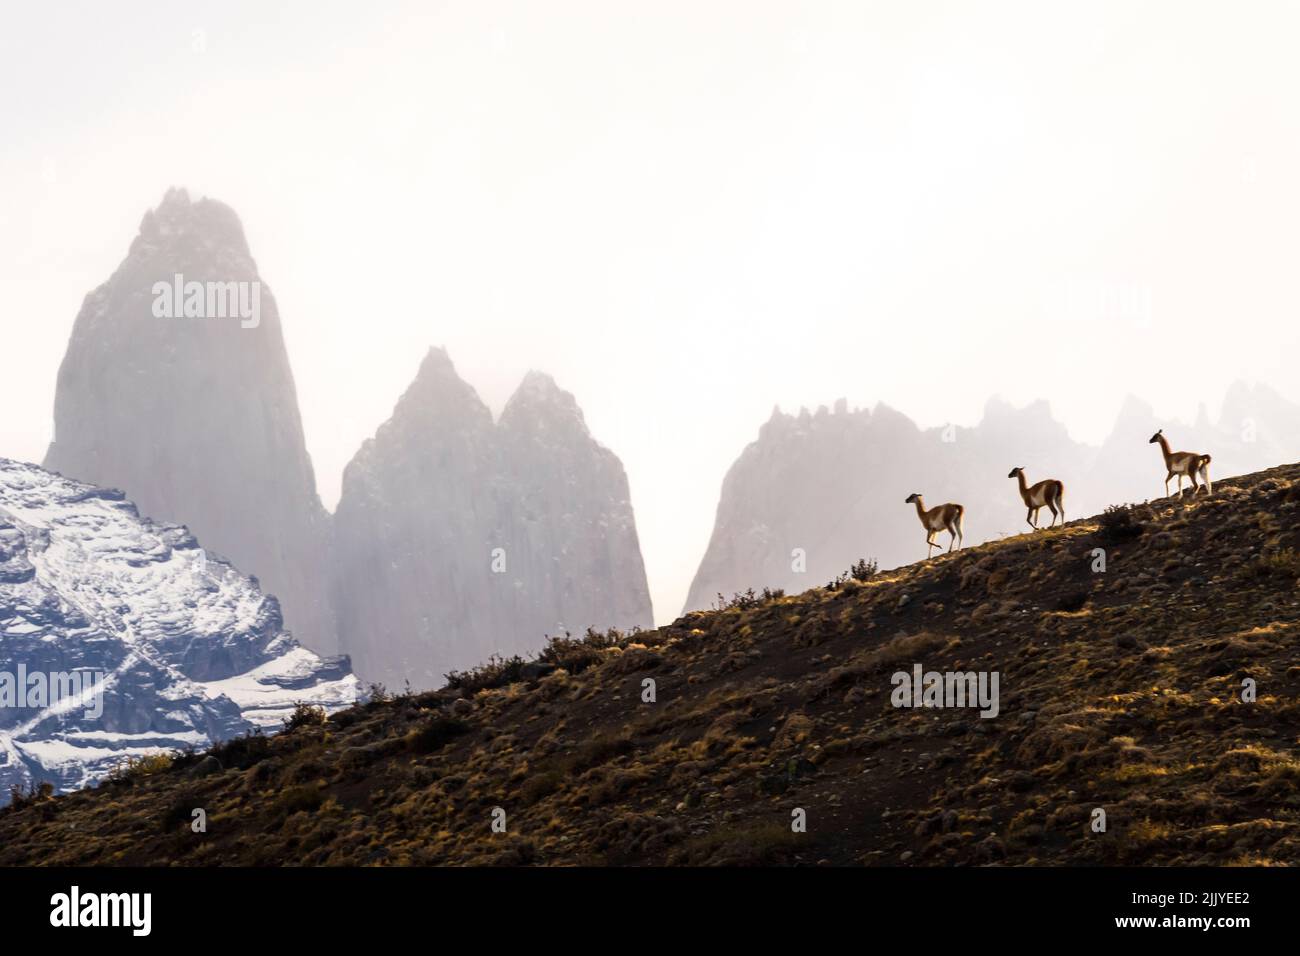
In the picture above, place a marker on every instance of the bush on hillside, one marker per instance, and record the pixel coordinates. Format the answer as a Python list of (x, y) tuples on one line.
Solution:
[(1118, 524)]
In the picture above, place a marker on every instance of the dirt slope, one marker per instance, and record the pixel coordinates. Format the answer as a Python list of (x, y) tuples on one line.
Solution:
[(1119, 690)]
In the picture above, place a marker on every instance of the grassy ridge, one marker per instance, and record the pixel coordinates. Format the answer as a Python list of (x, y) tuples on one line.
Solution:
[(1119, 690)]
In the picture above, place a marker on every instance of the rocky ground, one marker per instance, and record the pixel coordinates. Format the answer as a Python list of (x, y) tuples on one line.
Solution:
[(1120, 690)]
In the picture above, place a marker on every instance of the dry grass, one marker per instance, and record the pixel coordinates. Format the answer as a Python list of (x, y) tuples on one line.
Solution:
[(1120, 691)]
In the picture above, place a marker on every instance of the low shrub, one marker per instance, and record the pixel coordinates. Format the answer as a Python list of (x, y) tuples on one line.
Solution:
[(1117, 524), (306, 798), (305, 715), (598, 750), (1277, 564), (435, 733), (139, 767), (864, 570), (740, 601), (576, 654), (243, 752), (35, 793), (860, 571), (497, 672)]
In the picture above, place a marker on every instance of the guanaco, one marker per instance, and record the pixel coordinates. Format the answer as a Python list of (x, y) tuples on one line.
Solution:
[(945, 517), (1183, 464), (1049, 492)]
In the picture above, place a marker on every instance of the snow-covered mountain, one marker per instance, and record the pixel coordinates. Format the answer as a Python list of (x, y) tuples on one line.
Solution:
[(120, 636)]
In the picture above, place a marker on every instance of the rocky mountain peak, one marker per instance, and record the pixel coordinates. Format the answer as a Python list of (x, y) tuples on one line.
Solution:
[(1135, 409), (539, 402), (179, 224), (439, 398), (174, 646), (457, 539), (187, 402)]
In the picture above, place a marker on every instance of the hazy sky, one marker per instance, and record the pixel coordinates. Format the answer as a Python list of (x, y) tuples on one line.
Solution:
[(686, 212)]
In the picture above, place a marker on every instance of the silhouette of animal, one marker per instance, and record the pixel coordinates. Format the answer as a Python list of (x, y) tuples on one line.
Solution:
[(947, 517), (1183, 464), (1049, 492)]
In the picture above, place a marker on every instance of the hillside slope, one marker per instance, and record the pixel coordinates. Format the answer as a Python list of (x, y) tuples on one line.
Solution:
[(822, 486), (1119, 691)]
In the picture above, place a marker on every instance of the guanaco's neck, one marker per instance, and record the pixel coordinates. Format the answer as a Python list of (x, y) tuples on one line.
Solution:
[(920, 506), (1024, 485), (1164, 447)]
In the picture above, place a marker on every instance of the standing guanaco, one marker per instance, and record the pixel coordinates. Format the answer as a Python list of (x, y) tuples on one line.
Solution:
[(945, 517), (1183, 464), (1048, 492)]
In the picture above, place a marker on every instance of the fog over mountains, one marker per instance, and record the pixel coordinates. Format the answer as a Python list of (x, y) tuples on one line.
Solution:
[(832, 483), (197, 418), (458, 538)]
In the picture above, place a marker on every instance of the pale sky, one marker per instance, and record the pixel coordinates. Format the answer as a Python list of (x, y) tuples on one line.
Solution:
[(686, 212)]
